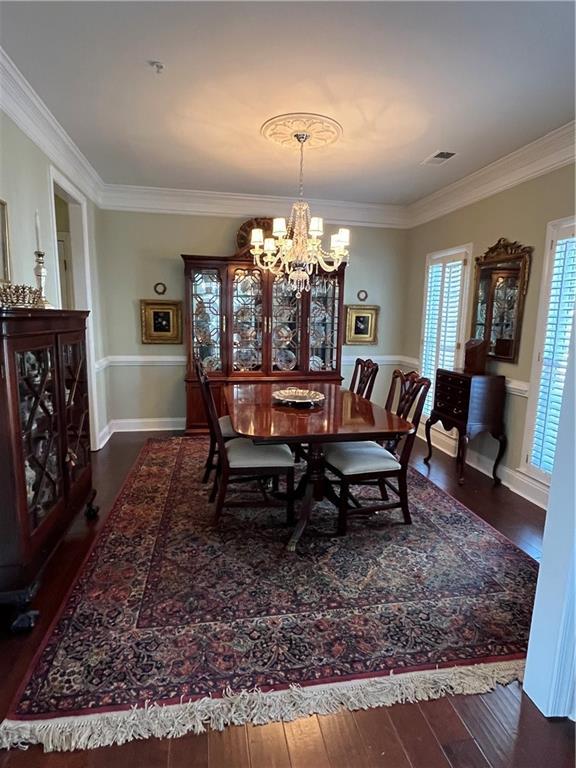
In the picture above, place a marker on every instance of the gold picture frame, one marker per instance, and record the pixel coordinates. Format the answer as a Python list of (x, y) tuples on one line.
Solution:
[(161, 322), (362, 323), (4, 244)]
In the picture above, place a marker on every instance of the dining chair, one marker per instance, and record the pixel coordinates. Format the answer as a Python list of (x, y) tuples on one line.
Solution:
[(225, 424), (368, 463), (239, 460), (363, 378)]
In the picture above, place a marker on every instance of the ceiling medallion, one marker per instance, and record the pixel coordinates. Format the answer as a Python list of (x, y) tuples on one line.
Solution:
[(321, 130), (295, 248)]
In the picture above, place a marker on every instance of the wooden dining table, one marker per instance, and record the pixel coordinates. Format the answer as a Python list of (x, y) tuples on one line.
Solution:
[(343, 416)]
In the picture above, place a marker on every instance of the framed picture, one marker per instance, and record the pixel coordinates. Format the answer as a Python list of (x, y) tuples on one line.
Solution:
[(4, 244), (362, 324), (161, 322)]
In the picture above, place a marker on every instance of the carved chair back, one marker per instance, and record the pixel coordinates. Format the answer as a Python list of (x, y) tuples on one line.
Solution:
[(411, 390), (363, 378), (209, 405)]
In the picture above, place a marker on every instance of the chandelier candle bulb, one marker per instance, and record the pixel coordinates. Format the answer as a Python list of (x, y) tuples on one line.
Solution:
[(316, 226), (257, 237), (344, 236), (279, 227)]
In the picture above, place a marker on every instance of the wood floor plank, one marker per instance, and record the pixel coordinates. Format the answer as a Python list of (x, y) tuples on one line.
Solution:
[(343, 741), (152, 753), (493, 738), (446, 723), (465, 754), (380, 737), (267, 746), (190, 751), (228, 748), (417, 737), (306, 743), (535, 744)]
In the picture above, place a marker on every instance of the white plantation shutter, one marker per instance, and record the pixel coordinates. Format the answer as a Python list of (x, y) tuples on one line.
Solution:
[(442, 316), (554, 354)]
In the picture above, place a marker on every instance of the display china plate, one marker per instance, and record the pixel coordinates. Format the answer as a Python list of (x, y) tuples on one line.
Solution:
[(283, 335), (316, 363), (318, 311), (285, 359), (245, 359), (211, 363), (299, 397)]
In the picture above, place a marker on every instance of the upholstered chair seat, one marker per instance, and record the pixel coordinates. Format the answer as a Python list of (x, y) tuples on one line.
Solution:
[(361, 457), (244, 454)]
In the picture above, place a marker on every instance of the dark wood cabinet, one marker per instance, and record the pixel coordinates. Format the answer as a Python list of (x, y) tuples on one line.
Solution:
[(244, 324), (45, 472), (471, 404)]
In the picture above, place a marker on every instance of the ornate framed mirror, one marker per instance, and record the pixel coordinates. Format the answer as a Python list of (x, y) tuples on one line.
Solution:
[(501, 283)]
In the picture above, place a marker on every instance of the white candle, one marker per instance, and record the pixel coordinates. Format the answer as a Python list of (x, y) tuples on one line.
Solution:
[(37, 225)]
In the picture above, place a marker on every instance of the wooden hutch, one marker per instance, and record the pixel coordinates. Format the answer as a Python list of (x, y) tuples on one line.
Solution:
[(45, 471), (244, 325)]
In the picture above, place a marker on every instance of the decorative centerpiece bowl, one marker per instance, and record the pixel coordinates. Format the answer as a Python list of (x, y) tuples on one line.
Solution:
[(298, 398), (20, 296)]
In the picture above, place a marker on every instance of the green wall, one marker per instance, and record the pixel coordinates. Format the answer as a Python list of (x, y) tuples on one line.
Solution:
[(140, 249), (521, 213)]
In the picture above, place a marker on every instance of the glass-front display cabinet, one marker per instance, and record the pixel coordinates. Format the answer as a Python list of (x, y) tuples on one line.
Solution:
[(45, 471), (246, 324)]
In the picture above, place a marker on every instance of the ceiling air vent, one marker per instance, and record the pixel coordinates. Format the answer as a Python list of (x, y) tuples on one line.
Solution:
[(438, 158)]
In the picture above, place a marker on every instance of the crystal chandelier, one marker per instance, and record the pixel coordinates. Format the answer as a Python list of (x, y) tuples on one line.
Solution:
[(295, 248)]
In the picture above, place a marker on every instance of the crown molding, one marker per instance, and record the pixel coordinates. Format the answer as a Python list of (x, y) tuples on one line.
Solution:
[(23, 105), (546, 154), (119, 197)]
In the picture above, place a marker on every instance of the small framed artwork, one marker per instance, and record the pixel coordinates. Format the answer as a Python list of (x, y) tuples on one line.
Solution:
[(161, 322), (4, 244), (362, 324)]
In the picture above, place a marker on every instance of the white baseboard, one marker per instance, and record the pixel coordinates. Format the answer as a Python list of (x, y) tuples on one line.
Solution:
[(140, 425), (104, 435), (514, 479)]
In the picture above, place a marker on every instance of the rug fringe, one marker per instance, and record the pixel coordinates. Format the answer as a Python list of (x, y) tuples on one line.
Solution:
[(258, 707)]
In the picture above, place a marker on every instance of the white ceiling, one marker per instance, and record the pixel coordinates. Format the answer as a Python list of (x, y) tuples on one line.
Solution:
[(404, 79)]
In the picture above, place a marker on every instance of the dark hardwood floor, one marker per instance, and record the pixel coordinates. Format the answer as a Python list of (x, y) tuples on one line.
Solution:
[(501, 729)]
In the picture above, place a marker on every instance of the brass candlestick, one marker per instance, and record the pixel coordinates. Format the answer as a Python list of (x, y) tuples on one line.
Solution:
[(40, 273)]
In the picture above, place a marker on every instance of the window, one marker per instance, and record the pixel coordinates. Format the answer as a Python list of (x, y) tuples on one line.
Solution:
[(443, 322), (551, 349)]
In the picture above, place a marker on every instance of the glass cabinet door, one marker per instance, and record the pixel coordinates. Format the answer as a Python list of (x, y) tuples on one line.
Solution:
[(206, 318), (286, 327), (247, 320), (76, 410), (324, 323), (40, 430)]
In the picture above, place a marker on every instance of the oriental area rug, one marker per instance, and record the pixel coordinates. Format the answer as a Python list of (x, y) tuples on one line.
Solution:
[(176, 624)]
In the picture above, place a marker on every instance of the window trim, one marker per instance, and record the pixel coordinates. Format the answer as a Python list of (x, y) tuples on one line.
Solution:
[(555, 230), (442, 257)]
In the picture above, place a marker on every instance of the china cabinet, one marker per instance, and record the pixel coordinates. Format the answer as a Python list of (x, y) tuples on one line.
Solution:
[(245, 324), (45, 472)]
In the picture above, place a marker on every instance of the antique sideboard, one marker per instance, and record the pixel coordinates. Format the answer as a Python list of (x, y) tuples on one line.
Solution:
[(470, 403)]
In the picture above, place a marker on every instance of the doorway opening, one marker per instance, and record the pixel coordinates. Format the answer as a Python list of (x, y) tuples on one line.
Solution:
[(71, 243)]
